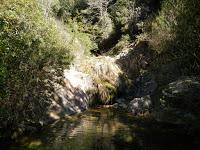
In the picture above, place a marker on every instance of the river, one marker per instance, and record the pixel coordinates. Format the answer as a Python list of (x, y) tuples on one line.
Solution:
[(106, 129)]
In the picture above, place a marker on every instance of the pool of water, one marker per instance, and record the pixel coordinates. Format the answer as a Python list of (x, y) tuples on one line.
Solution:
[(106, 129)]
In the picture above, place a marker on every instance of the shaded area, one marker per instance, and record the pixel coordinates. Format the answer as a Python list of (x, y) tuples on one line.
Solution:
[(108, 129), (135, 65), (111, 41)]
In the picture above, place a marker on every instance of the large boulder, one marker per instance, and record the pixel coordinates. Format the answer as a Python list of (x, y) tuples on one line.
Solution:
[(183, 94), (71, 96), (90, 82), (180, 101)]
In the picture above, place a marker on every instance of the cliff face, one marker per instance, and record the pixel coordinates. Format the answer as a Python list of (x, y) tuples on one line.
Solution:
[(95, 80)]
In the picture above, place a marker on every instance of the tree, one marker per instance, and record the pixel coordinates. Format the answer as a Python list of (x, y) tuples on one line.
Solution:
[(100, 7)]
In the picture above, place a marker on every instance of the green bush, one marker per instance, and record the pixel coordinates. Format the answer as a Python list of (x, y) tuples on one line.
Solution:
[(29, 42), (123, 12), (175, 34), (122, 44), (67, 8)]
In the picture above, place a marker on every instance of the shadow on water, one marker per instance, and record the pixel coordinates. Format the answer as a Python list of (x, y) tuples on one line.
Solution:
[(107, 129)]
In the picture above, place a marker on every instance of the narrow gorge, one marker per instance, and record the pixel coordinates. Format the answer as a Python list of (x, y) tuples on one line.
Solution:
[(99, 74)]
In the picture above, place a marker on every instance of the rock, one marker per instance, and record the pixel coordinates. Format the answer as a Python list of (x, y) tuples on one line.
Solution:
[(84, 82), (140, 105), (120, 105), (180, 101), (145, 85), (123, 105), (115, 105), (182, 88), (183, 94), (120, 101)]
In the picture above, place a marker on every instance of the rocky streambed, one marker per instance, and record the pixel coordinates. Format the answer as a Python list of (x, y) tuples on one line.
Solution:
[(140, 110)]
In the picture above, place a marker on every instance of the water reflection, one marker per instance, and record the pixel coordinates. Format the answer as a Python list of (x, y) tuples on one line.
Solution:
[(107, 129)]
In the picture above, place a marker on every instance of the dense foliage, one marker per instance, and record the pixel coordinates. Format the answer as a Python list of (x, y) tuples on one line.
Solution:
[(29, 42), (175, 34)]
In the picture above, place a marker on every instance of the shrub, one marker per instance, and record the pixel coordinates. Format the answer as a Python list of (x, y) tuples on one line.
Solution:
[(66, 8), (121, 45), (175, 34), (29, 42)]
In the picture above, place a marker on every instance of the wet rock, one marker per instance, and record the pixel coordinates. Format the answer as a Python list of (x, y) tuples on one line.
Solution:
[(123, 106), (115, 105), (120, 105), (140, 105)]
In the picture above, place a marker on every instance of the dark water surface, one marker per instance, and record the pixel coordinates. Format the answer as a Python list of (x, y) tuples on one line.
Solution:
[(107, 129)]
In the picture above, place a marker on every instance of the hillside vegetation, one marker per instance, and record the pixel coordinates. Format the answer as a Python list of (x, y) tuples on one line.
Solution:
[(39, 39), (29, 42)]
